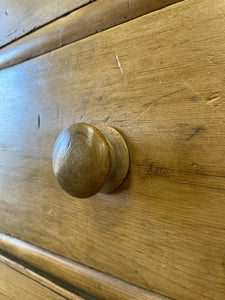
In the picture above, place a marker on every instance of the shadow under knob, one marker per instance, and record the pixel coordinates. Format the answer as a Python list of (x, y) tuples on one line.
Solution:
[(87, 160)]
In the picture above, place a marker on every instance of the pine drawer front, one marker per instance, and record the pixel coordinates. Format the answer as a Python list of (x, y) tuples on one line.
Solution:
[(159, 80), (19, 18)]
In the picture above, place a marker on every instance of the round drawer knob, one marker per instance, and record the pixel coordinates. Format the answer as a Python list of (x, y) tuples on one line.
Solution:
[(88, 160)]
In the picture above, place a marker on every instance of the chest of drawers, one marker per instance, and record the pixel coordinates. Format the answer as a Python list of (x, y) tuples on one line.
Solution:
[(159, 79)]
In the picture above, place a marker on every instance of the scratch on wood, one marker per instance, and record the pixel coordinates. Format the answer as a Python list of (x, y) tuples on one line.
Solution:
[(196, 131), (212, 98), (156, 100), (39, 121), (194, 166), (107, 120), (59, 114), (159, 80), (60, 38), (82, 118), (165, 96), (130, 4), (119, 65), (12, 32), (49, 212), (102, 98)]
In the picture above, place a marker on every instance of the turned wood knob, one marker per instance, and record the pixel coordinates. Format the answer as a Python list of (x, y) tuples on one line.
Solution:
[(88, 160)]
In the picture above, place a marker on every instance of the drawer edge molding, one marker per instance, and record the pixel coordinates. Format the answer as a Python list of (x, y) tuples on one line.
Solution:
[(89, 280), (86, 21), (38, 279), (19, 18)]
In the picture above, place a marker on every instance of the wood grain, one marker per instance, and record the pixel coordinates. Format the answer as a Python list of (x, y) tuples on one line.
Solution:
[(17, 282), (93, 18), (87, 160), (19, 18), (158, 79), (87, 279)]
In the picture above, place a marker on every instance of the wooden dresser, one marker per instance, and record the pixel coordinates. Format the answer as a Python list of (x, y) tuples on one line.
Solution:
[(155, 71)]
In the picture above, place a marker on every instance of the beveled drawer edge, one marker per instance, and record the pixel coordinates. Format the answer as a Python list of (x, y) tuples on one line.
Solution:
[(84, 22), (91, 281), (38, 279), (35, 15)]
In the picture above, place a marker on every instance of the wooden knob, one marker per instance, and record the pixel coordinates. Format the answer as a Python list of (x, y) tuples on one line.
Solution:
[(88, 160)]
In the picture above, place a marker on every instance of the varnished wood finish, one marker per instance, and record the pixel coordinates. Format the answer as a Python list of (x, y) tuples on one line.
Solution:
[(81, 160), (87, 279), (160, 80), (120, 158), (19, 18), (87, 160), (18, 282), (88, 20), (16, 285)]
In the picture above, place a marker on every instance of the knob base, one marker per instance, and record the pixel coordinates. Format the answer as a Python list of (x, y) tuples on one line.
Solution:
[(120, 158)]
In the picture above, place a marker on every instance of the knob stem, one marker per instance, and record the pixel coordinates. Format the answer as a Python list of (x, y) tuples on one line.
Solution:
[(120, 158)]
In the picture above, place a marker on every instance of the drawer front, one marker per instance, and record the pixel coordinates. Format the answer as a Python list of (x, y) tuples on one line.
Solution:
[(19, 18), (81, 23), (18, 282), (158, 79)]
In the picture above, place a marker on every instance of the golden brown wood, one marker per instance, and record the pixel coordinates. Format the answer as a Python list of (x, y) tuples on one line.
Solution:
[(95, 17), (19, 18), (159, 79), (120, 158), (87, 160), (18, 282), (87, 279), (14, 284)]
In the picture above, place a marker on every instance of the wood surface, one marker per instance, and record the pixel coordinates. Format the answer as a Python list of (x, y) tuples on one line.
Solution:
[(17, 282), (88, 20), (91, 281), (159, 80), (17, 18)]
